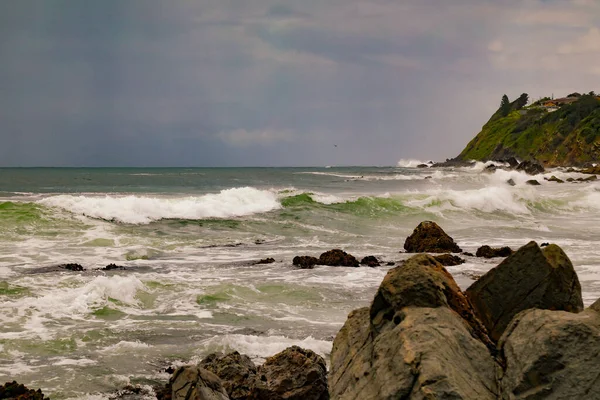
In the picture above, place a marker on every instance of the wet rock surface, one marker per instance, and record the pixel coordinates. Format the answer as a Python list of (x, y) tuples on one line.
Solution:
[(486, 251), (530, 278), (370, 261), (338, 258), (429, 237), (16, 391), (305, 262), (236, 371), (449, 260)]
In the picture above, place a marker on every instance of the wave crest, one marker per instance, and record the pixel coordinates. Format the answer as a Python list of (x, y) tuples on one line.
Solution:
[(132, 209)]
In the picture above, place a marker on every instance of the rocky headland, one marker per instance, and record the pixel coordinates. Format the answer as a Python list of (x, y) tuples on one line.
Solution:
[(520, 331)]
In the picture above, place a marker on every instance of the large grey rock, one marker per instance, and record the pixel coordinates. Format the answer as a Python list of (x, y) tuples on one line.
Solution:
[(552, 355), (418, 340), (429, 353), (530, 278), (423, 282), (236, 371), (195, 383), (428, 237), (293, 374)]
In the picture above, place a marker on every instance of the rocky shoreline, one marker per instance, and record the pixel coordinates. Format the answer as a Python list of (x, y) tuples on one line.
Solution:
[(519, 332)]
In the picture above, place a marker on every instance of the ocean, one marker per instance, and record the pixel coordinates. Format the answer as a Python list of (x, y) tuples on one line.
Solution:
[(190, 238)]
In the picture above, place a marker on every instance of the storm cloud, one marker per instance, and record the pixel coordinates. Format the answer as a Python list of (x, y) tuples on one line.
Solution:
[(272, 83)]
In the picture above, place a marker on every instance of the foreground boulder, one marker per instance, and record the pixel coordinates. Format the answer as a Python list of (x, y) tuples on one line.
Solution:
[(428, 237), (491, 252), (236, 371), (552, 355), (338, 258), (419, 339), (530, 278), (195, 383), (14, 390), (293, 374)]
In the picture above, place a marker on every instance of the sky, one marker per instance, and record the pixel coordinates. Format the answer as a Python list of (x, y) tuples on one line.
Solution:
[(276, 82)]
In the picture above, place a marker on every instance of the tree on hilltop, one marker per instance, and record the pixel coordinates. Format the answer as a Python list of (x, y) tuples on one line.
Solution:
[(504, 106), (522, 101)]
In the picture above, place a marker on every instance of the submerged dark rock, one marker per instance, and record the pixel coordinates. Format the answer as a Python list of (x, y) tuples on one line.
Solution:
[(265, 261), (555, 179), (370, 261), (72, 267), (14, 390), (511, 182), (533, 182), (338, 258), (529, 278), (490, 252), (428, 237), (305, 262), (111, 267)]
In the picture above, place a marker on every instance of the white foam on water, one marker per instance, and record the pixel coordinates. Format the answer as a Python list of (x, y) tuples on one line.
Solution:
[(125, 346), (487, 199), (145, 209), (326, 198), (410, 163), (72, 302), (261, 347), (71, 361)]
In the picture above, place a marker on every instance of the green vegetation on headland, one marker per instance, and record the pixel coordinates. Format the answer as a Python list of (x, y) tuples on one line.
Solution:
[(555, 132)]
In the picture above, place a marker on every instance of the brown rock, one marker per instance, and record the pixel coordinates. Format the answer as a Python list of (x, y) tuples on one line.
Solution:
[(16, 391), (236, 371), (490, 252), (194, 383), (293, 374), (338, 258), (530, 278), (448, 260), (429, 237), (305, 262), (370, 261)]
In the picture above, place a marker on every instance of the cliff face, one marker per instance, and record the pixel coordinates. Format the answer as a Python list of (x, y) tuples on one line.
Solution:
[(553, 134)]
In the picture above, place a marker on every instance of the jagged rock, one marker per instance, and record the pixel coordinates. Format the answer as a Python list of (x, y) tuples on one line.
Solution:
[(530, 278), (412, 343), (511, 182), (72, 267), (305, 262), (570, 179), (429, 237), (422, 166), (370, 261), (265, 261), (466, 253), (552, 355), (490, 252), (293, 374), (533, 182), (555, 179), (16, 391), (490, 168), (512, 162), (448, 260), (338, 258), (530, 168), (236, 371), (195, 383)]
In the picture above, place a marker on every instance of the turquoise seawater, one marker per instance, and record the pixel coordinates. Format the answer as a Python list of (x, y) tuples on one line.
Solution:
[(189, 239)]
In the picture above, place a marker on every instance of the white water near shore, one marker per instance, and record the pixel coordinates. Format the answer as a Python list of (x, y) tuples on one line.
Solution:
[(190, 286)]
